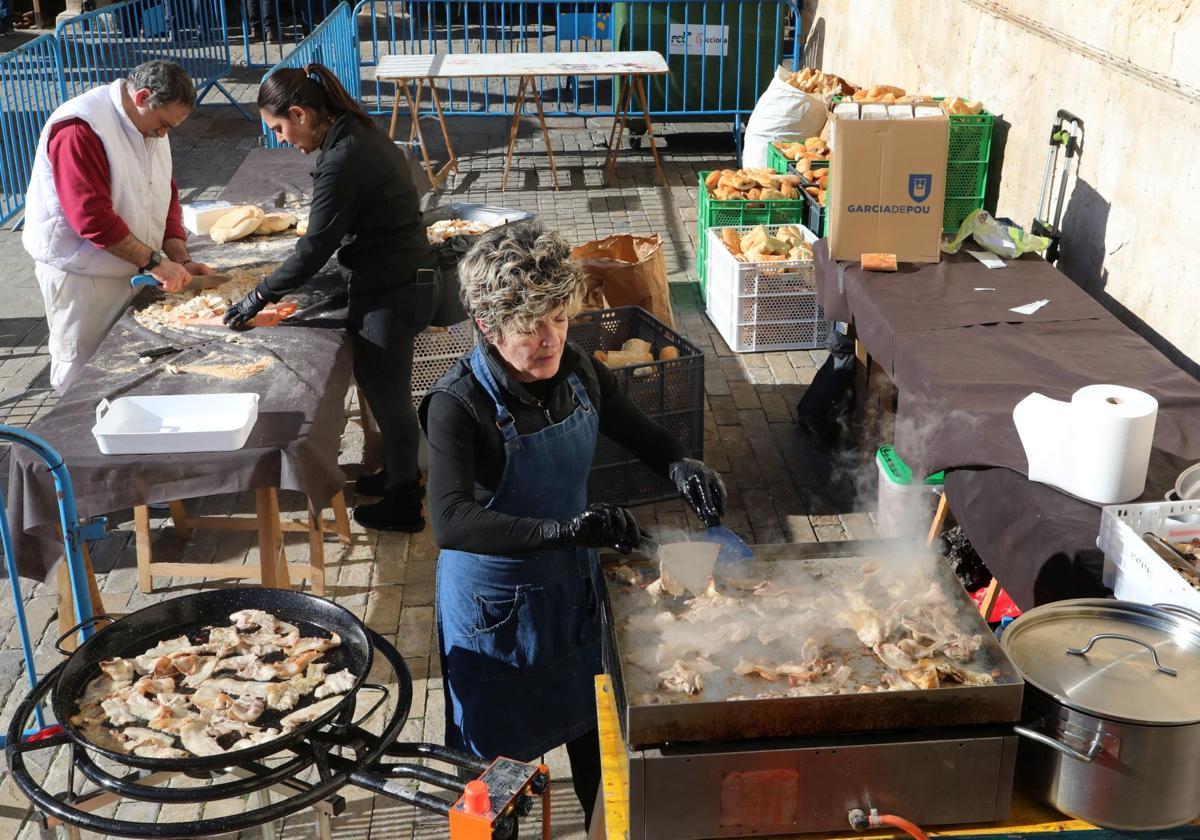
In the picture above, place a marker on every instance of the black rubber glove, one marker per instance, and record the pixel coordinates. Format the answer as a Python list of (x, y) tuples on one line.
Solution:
[(242, 313), (701, 487), (600, 526)]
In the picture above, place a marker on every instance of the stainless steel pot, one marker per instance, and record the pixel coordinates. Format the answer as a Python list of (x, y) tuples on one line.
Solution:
[(1112, 711), (1187, 486)]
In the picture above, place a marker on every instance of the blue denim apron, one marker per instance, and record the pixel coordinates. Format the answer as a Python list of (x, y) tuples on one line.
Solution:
[(519, 636)]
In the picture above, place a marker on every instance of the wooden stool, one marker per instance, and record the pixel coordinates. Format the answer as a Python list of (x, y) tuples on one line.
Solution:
[(273, 569)]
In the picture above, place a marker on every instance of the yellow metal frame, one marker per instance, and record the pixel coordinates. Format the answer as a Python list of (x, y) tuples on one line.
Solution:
[(1028, 818)]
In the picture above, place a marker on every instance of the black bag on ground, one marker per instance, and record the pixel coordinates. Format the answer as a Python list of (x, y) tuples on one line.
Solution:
[(827, 407)]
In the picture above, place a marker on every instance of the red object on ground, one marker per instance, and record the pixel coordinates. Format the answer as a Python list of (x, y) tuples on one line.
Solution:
[(1005, 607), (476, 799)]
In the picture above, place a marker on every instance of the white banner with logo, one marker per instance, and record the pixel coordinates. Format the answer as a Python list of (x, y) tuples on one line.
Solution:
[(697, 40)]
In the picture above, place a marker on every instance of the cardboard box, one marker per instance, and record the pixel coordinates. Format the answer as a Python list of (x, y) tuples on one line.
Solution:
[(887, 185)]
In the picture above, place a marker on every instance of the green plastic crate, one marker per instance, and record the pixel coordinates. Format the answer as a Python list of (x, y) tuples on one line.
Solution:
[(970, 138), (898, 472), (776, 159), (966, 183), (737, 213)]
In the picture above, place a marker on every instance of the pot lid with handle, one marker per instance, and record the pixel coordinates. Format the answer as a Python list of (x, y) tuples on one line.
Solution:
[(1118, 660)]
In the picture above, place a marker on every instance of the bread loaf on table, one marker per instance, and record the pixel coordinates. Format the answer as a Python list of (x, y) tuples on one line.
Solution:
[(879, 262), (275, 223), (238, 223)]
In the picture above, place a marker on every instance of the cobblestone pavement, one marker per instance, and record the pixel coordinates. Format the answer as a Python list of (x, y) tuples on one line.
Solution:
[(779, 489)]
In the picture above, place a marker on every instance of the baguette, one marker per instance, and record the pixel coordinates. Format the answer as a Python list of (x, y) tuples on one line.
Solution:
[(732, 241)]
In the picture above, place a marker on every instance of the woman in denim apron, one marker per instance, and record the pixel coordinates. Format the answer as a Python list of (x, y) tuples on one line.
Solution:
[(512, 430)]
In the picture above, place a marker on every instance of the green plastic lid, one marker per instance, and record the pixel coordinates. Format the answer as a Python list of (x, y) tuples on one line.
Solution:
[(898, 472)]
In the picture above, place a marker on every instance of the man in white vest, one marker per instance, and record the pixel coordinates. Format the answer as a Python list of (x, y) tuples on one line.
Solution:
[(102, 206)]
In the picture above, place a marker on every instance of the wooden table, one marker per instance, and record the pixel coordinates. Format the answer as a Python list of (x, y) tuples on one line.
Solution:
[(405, 71), (1028, 819)]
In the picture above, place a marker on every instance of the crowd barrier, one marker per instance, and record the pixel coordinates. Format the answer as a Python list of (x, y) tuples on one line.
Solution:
[(722, 53), (102, 45), (31, 87), (332, 43), (269, 28)]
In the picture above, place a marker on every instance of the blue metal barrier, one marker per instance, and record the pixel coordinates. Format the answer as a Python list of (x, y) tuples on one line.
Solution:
[(102, 45), (31, 87), (332, 43), (271, 27), (74, 535), (722, 53)]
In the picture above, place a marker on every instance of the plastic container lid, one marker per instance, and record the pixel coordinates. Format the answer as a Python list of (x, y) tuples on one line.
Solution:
[(1116, 678), (897, 471)]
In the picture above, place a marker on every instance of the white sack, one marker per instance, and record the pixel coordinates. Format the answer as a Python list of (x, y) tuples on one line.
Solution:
[(782, 113)]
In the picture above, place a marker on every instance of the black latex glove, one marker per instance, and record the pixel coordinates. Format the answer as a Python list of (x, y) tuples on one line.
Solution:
[(600, 526), (702, 488), (240, 315)]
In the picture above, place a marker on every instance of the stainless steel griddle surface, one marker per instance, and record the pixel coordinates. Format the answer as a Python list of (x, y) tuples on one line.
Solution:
[(821, 581)]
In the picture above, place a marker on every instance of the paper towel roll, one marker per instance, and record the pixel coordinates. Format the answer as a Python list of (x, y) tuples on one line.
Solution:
[(1096, 447)]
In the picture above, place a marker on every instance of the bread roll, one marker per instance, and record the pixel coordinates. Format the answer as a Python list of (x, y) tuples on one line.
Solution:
[(712, 179), (637, 345), (732, 241), (275, 223), (238, 223), (879, 262), (668, 352)]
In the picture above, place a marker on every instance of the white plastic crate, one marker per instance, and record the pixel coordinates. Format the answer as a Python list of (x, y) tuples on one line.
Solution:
[(759, 306), (1131, 569)]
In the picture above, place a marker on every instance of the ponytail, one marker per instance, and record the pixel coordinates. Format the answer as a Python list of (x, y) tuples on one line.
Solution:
[(315, 87)]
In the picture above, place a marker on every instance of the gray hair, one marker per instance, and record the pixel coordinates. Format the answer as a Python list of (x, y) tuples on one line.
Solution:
[(517, 274), (167, 82)]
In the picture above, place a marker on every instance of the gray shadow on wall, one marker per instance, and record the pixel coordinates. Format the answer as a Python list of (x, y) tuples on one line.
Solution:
[(1082, 255), (814, 42), (991, 195)]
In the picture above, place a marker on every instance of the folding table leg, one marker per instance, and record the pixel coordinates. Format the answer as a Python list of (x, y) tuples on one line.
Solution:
[(641, 91), (437, 106), (316, 549), (341, 517), (537, 101), (266, 504), (615, 136), (141, 530), (179, 520), (414, 111), (396, 108), (512, 132)]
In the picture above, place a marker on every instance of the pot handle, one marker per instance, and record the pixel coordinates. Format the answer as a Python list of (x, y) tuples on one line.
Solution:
[(1170, 672), (1172, 496), (1178, 610), (1054, 744)]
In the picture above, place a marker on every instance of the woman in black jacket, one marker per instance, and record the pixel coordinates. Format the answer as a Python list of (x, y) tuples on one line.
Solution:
[(366, 208)]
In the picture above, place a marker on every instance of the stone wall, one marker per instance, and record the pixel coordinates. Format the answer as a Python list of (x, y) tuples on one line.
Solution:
[(1130, 69)]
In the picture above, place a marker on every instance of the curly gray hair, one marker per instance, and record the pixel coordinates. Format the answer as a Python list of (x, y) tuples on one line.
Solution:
[(516, 275), (167, 82)]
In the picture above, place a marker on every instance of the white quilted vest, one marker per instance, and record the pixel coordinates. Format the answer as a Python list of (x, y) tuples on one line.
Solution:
[(140, 175)]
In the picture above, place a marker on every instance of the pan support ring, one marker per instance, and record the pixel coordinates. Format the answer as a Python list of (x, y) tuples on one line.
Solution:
[(74, 810)]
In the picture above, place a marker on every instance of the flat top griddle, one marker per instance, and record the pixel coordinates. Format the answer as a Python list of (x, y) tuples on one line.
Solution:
[(736, 708)]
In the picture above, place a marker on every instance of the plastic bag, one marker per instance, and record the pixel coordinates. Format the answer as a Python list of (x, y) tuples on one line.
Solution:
[(1008, 241), (782, 113)]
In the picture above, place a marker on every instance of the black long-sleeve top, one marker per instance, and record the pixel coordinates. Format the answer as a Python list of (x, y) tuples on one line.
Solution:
[(364, 206), (466, 449)]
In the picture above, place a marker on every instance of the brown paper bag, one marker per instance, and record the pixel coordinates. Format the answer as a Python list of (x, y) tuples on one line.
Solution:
[(631, 270)]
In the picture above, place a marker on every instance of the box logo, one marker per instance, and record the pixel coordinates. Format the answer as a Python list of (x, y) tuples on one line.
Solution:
[(919, 187), (697, 41)]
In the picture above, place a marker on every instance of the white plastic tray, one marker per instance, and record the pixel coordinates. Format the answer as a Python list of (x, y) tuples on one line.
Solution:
[(1131, 569), (175, 423)]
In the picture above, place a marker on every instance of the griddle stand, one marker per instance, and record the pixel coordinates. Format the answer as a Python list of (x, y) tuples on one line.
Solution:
[(694, 791)]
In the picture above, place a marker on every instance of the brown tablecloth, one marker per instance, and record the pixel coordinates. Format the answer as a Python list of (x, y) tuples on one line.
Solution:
[(293, 445), (961, 367)]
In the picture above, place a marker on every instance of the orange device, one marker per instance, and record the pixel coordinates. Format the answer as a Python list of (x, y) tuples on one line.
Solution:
[(505, 790)]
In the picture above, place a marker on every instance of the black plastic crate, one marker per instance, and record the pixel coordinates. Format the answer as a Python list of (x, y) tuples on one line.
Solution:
[(671, 392)]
